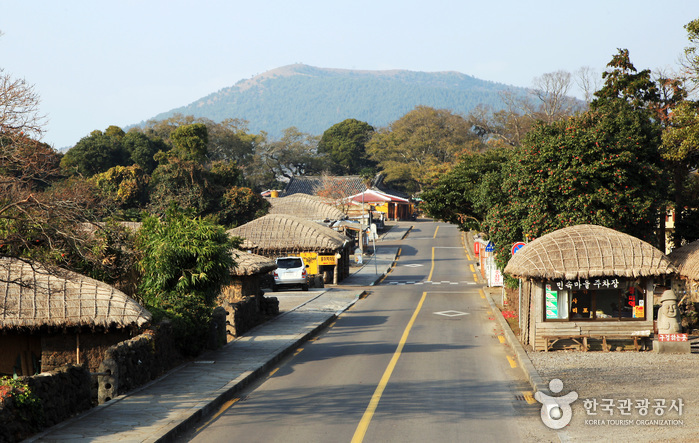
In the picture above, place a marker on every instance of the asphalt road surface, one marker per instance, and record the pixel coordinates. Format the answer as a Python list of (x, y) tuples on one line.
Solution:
[(419, 359)]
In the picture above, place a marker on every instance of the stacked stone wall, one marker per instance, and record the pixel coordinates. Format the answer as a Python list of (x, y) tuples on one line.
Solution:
[(61, 393), (135, 362)]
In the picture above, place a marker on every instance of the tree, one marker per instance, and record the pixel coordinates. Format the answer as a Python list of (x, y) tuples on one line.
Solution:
[(345, 144), (588, 82), (230, 141), (96, 153), (548, 101), (185, 263), (142, 150), (294, 154), (464, 195), (123, 188), (600, 167), (192, 185), (680, 147), (19, 110), (42, 216), (690, 63), (551, 90), (182, 182), (190, 142), (411, 148), (623, 81), (240, 205)]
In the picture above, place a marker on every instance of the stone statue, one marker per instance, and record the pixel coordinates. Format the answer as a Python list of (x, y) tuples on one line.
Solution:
[(668, 315)]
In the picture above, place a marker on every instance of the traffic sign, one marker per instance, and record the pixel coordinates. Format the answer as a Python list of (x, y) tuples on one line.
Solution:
[(517, 246), (490, 247)]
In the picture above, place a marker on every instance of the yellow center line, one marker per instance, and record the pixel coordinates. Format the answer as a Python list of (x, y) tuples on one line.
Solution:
[(529, 397), (482, 293), (501, 338), (435, 232), (374, 402), (221, 410), (473, 269), (429, 277), (512, 361)]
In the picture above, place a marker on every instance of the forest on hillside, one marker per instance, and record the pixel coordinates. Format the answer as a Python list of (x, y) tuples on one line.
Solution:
[(313, 99)]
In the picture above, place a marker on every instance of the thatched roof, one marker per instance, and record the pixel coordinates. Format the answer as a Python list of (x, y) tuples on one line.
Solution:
[(587, 251), (285, 233), (250, 264), (92, 227), (305, 206), (686, 259), (312, 185), (31, 296)]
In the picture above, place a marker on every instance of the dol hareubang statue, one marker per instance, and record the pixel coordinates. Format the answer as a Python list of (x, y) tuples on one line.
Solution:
[(668, 315)]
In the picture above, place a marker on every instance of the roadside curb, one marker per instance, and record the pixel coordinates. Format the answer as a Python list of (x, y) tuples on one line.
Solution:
[(383, 275), (535, 380), (209, 406)]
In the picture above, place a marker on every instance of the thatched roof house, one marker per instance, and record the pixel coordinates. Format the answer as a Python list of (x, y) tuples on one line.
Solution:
[(251, 264), (243, 297), (339, 186), (50, 318), (31, 296), (277, 234), (686, 259), (588, 251), (306, 207), (587, 281)]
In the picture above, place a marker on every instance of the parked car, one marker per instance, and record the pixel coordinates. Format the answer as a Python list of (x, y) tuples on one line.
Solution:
[(290, 272)]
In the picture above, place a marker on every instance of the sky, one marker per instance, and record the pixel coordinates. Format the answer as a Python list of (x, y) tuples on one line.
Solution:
[(101, 63)]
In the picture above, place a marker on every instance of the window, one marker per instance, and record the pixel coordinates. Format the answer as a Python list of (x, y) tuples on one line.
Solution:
[(595, 300)]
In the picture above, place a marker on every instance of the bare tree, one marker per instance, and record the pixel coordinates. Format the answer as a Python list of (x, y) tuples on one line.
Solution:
[(552, 91), (19, 108), (588, 81), (36, 222)]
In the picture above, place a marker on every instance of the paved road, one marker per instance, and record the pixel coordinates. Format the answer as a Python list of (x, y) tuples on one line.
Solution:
[(419, 359)]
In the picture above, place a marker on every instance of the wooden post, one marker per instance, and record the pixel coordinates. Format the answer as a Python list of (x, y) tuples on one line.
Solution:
[(77, 349)]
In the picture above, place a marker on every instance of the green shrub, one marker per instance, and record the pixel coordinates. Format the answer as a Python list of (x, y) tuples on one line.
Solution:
[(25, 406), (184, 263)]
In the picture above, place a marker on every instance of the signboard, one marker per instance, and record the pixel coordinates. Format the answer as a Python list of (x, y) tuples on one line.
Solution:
[(551, 302), (672, 337), (490, 247), (327, 260), (476, 248), (311, 259), (638, 312), (517, 246), (495, 277)]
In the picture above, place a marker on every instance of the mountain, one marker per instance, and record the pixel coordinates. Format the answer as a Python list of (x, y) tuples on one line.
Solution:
[(313, 99)]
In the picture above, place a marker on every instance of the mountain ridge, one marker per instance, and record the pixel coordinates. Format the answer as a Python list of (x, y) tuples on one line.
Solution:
[(312, 99)]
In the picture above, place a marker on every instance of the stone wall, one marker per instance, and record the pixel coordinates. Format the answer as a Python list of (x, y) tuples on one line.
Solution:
[(132, 363), (60, 349), (245, 314), (61, 393)]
